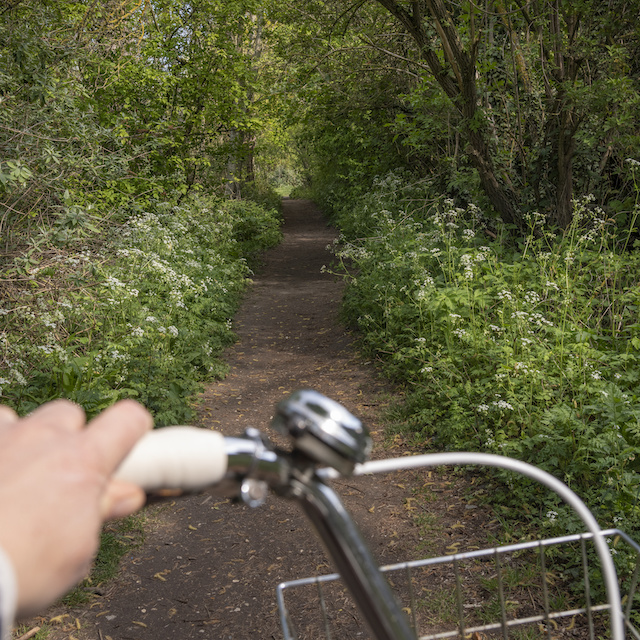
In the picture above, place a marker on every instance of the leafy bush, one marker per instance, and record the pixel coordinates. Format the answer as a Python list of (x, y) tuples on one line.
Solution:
[(144, 316), (531, 351)]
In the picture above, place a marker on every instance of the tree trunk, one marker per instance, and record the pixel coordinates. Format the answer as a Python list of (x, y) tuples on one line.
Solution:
[(564, 188), (461, 90)]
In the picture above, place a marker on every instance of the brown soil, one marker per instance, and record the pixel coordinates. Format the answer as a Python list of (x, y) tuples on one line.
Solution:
[(209, 567)]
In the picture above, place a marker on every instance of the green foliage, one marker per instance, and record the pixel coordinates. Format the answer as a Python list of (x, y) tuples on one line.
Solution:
[(529, 351), (513, 108), (119, 278), (145, 316), (113, 102)]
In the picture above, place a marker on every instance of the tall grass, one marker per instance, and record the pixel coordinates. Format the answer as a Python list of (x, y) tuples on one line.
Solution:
[(144, 314), (528, 349)]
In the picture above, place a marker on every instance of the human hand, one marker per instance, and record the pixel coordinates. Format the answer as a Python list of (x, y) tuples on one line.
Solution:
[(56, 491)]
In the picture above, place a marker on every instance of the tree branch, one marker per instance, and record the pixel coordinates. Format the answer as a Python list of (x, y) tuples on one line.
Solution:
[(417, 32), (391, 54)]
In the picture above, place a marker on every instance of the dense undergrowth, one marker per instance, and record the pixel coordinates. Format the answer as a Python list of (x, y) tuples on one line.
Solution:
[(143, 315), (528, 348)]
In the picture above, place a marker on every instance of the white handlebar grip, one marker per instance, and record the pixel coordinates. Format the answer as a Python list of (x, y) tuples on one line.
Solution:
[(184, 458)]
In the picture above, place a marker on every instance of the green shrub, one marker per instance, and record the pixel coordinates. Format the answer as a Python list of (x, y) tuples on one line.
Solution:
[(529, 350), (144, 316)]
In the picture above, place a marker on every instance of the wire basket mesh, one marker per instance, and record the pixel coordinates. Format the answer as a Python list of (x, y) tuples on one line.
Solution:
[(549, 588)]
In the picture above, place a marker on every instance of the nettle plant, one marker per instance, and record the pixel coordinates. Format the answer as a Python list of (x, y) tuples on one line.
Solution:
[(145, 316), (530, 351)]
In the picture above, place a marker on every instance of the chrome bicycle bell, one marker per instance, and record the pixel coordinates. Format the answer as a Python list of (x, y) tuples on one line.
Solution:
[(323, 430)]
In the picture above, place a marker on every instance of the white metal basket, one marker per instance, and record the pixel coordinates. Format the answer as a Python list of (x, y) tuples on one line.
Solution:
[(550, 588)]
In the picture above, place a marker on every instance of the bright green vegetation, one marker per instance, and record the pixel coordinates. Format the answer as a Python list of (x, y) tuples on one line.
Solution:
[(132, 211), (145, 315), (482, 163), (526, 348)]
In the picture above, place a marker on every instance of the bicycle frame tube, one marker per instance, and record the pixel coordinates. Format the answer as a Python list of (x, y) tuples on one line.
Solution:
[(354, 561)]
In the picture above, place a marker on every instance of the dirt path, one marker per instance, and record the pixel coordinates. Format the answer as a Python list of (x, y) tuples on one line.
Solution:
[(208, 568)]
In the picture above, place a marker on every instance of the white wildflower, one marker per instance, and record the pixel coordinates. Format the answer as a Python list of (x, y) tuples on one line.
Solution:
[(532, 297), (479, 257), (539, 319), (114, 282)]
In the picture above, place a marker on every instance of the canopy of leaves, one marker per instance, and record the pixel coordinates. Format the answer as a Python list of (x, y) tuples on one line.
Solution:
[(522, 107)]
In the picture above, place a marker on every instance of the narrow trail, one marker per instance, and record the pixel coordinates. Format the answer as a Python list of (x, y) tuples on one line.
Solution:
[(209, 567)]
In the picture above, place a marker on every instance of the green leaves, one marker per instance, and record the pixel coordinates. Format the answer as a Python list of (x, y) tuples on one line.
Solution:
[(14, 174), (149, 313), (501, 349)]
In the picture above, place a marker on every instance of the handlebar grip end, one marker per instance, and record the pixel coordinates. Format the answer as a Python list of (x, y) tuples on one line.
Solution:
[(176, 458)]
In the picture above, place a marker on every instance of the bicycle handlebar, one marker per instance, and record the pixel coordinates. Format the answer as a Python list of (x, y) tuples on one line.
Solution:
[(180, 458)]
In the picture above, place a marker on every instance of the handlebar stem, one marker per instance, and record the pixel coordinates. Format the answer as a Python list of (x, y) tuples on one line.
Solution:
[(353, 559), (251, 462), (251, 457)]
